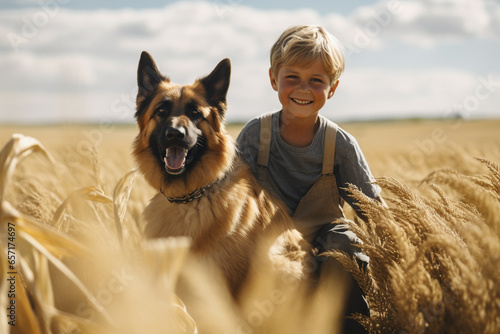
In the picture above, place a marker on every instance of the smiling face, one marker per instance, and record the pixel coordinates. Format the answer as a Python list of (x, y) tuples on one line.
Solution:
[(303, 90)]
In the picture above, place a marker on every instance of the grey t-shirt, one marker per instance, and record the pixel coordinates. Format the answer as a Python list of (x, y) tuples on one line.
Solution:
[(295, 169)]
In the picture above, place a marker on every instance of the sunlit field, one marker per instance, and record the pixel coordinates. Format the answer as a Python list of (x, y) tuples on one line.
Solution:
[(74, 260)]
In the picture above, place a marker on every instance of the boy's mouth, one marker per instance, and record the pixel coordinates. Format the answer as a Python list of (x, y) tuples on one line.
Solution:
[(301, 102)]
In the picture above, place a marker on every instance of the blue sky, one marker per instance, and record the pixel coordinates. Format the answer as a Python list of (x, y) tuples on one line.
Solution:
[(72, 61), (343, 7)]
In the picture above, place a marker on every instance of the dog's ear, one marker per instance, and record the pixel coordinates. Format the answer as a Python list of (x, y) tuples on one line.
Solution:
[(217, 83), (148, 76)]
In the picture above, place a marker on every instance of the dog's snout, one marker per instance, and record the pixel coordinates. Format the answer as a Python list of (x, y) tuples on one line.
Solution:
[(175, 134)]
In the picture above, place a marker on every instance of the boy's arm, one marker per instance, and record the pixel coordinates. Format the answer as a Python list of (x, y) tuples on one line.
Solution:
[(247, 143), (352, 168)]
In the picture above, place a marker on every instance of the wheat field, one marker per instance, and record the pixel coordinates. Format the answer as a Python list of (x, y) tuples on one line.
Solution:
[(74, 261)]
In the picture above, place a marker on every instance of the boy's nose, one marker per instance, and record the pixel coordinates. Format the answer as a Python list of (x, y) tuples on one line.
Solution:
[(304, 86)]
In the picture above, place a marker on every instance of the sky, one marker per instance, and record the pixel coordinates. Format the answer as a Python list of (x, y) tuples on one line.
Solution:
[(67, 61)]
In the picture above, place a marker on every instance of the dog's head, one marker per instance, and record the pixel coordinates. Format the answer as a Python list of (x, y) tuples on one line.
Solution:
[(182, 144)]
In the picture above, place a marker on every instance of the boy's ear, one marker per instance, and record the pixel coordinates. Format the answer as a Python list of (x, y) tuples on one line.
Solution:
[(332, 89), (273, 80)]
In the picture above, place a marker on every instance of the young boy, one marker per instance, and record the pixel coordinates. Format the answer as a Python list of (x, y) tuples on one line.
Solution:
[(301, 157)]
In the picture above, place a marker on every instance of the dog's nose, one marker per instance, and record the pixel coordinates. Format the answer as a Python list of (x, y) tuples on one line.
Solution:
[(173, 134)]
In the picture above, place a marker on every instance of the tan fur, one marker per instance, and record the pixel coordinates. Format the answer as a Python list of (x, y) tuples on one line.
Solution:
[(236, 225)]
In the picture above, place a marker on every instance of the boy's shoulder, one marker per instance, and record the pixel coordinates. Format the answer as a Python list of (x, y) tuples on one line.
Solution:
[(252, 127), (251, 130), (254, 122), (344, 140)]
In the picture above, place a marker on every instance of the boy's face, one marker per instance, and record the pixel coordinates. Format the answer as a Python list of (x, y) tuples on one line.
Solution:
[(303, 90)]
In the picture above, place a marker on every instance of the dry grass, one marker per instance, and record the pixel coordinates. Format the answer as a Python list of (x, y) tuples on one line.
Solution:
[(82, 266)]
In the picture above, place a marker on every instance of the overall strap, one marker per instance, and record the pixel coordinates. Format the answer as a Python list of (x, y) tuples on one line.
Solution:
[(264, 140), (329, 148)]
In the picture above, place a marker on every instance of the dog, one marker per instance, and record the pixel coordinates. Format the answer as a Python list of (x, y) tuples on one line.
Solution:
[(205, 191)]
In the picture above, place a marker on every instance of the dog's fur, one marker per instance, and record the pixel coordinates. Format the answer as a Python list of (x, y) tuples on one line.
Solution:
[(182, 146)]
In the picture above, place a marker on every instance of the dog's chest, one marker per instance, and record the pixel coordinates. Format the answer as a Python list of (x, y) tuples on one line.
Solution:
[(198, 220)]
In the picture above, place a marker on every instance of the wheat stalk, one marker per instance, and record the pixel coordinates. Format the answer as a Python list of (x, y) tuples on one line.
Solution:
[(434, 259), (121, 195)]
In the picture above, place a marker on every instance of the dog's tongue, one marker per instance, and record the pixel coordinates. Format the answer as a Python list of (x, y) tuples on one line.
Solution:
[(175, 157)]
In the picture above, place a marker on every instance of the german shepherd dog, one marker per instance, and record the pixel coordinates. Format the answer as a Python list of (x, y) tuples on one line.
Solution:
[(205, 191)]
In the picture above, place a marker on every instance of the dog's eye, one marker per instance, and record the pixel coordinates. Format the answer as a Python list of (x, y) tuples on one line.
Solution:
[(195, 112), (161, 111), (164, 108)]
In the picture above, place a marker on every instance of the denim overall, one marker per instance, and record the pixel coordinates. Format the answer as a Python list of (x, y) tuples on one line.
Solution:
[(317, 211)]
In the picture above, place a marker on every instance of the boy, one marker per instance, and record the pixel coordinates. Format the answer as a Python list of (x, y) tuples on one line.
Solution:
[(304, 159)]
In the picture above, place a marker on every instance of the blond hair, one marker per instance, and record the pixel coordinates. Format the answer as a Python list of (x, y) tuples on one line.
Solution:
[(300, 45)]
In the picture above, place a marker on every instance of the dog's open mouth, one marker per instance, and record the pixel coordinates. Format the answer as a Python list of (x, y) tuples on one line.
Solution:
[(176, 159)]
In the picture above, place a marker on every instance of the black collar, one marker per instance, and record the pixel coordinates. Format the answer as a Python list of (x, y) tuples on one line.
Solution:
[(197, 193)]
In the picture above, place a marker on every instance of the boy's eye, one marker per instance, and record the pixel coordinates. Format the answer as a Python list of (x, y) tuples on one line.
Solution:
[(317, 80)]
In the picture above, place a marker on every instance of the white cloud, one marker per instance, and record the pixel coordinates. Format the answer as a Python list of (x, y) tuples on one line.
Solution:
[(90, 57), (432, 92), (428, 23)]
